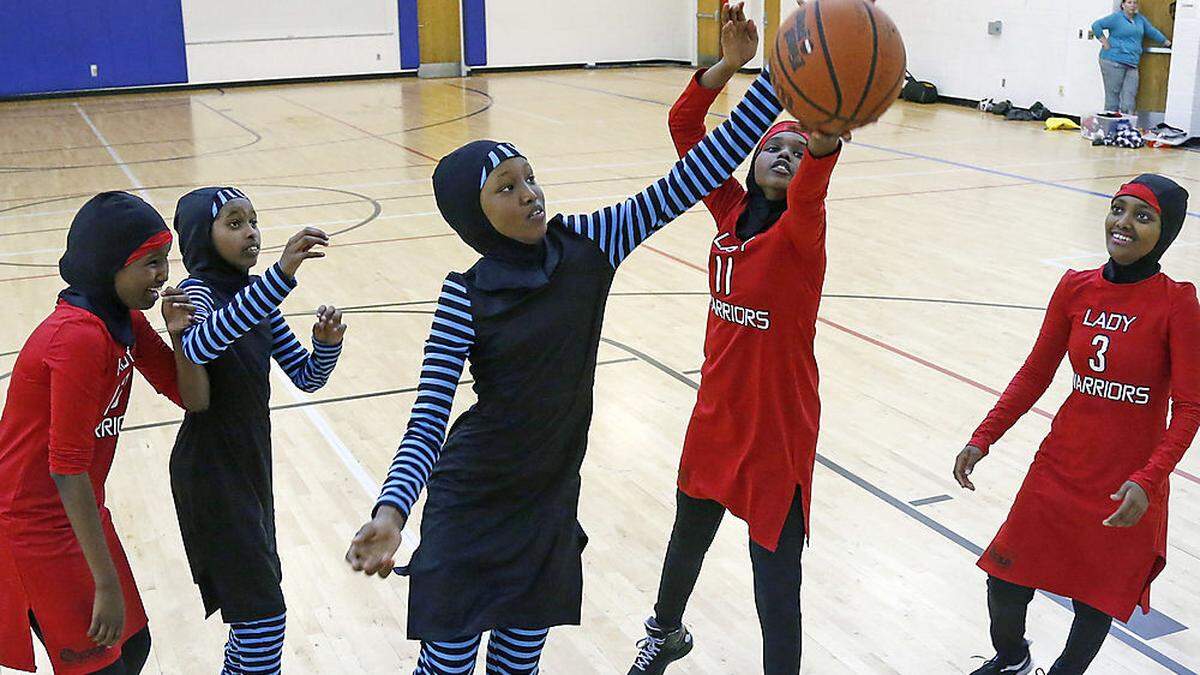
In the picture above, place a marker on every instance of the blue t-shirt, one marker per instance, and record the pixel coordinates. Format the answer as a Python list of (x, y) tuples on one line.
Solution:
[(1125, 37)]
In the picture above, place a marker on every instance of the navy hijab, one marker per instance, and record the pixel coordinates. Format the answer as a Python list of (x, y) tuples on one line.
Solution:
[(194, 217), (1170, 200), (106, 231), (508, 269)]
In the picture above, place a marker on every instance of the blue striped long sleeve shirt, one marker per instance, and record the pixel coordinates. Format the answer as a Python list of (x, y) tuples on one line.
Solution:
[(617, 230), (219, 327)]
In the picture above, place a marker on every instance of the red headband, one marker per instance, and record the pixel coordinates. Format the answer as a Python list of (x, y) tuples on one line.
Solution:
[(152, 244), (781, 127), (1142, 192)]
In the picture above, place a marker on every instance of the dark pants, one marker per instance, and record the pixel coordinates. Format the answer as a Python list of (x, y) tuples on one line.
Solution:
[(1007, 605), (776, 578), (133, 652)]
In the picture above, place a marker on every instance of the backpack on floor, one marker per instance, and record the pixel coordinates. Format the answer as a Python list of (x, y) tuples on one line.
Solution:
[(917, 91)]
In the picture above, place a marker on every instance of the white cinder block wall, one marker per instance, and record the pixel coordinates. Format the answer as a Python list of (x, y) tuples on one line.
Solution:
[(1043, 53), (234, 40)]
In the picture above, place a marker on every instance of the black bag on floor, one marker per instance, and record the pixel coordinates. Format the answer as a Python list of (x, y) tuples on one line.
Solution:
[(1001, 108), (917, 91)]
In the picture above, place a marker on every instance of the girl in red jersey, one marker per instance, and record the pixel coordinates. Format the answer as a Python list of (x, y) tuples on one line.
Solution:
[(1090, 520), (751, 441), (63, 572)]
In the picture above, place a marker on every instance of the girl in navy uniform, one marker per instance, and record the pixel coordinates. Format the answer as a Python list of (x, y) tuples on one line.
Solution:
[(221, 464), (500, 543)]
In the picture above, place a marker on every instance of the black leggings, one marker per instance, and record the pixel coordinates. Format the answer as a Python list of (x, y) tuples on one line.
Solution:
[(1007, 605), (133, 652), (776, 578)]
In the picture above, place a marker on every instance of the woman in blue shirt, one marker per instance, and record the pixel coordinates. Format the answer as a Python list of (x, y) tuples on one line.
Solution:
[(1121, 52)]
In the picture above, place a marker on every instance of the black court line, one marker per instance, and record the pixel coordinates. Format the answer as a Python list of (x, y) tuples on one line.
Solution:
[(255, 138), (1117, 631), (339, 399)]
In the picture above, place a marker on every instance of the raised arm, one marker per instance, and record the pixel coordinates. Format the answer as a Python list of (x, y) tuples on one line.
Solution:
[(739, 44), (219, 327), (620, 228), (309, 372)]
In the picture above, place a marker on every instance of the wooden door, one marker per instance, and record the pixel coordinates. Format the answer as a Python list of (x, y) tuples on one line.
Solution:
[(439, 31), (770, 25), (1155, 69), (708, 32)]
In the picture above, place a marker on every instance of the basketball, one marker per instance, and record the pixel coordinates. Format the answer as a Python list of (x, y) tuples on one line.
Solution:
[(837, 64)]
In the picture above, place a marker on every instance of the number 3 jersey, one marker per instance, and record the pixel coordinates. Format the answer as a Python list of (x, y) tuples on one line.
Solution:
[(752, 438), (1134, 353)]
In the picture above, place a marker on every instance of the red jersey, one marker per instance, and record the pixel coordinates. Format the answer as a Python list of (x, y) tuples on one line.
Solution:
[(752, 439), (1134, 350), (66, 403)]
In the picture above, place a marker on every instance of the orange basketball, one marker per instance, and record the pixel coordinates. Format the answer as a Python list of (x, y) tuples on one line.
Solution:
[(837, 64)]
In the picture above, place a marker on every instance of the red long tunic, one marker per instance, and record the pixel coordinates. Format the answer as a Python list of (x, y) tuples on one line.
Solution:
[(1133, 348), (752, 438), (66, 402)]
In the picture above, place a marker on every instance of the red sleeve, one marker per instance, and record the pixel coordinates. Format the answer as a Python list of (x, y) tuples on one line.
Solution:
[(686, 121), (1032, 380), (804, 219), (1184, 343), (154, 359), (80, 386)]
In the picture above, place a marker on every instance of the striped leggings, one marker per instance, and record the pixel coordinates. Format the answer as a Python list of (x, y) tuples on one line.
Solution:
[(255, 647), (511, 651)]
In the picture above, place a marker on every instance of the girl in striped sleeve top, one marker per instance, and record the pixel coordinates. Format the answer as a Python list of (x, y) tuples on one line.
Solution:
[(221, 463), (500, 543)]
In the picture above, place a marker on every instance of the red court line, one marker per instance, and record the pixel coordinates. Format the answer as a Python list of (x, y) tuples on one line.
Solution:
[(900, 352)]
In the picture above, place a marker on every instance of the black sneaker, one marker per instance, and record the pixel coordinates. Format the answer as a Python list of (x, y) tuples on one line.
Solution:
[(660, 648), (995, 666)]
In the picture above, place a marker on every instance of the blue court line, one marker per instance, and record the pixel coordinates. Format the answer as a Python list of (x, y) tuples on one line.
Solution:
[(1117, 631)]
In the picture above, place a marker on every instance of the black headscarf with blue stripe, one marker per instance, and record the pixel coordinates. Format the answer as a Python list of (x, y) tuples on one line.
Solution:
[(507, 264), (194, 217)]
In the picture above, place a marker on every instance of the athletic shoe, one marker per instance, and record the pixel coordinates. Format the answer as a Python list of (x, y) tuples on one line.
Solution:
[(660, 648), (996, 666)]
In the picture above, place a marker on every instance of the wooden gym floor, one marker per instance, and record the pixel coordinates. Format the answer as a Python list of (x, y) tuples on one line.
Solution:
[(947, 232)]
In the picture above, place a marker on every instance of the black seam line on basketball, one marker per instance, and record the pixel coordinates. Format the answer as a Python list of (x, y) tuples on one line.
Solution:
[(899, 504), (787, 75), (833, 79), (888, 99), (256, 138), (874, 59), (341, 399)]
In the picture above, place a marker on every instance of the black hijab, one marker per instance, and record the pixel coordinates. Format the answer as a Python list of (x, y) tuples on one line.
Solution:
[(507, 265), (194, 217), (1170, 200), (108, 229), (761, 213)]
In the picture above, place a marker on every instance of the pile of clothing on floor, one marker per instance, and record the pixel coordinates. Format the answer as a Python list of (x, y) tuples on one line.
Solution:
[(1035, 112)]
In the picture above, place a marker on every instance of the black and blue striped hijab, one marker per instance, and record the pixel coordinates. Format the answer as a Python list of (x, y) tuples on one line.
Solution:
[(194, 216), (507, 264)]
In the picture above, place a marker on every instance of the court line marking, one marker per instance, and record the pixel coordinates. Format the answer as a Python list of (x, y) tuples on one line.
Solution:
[(1117, 631), (112, 152)]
